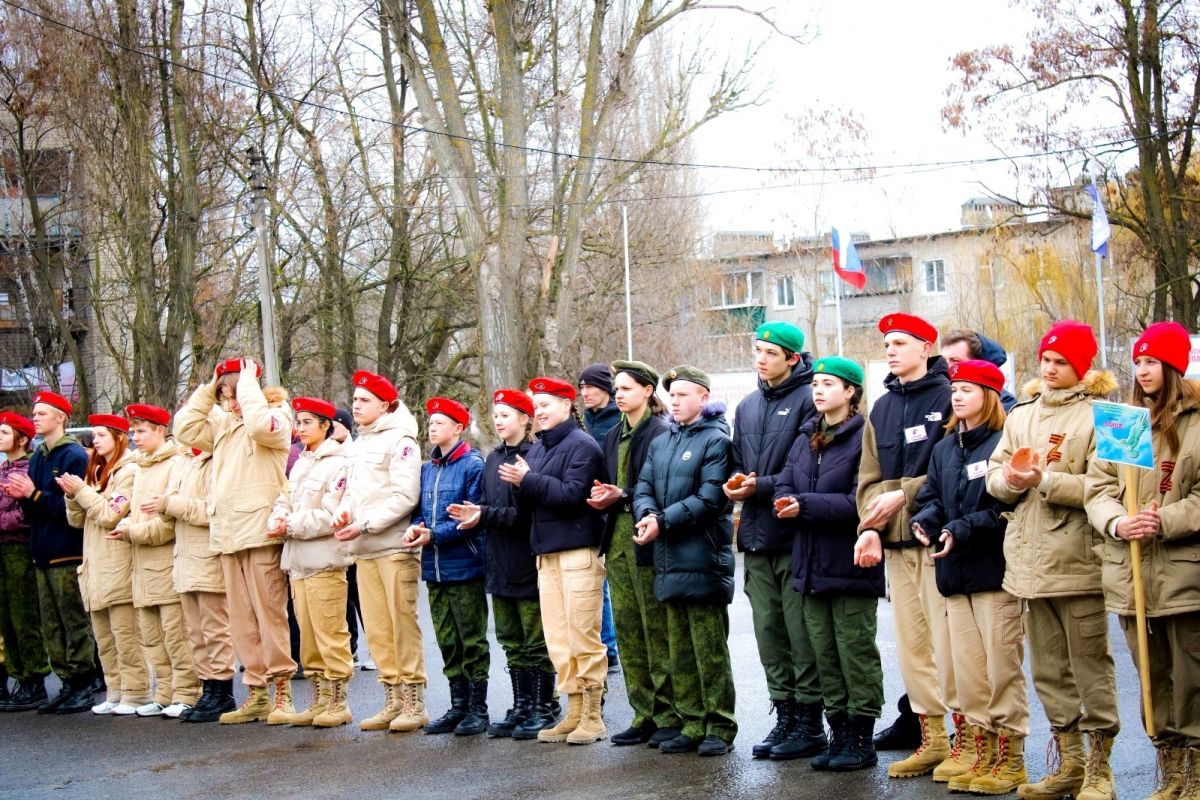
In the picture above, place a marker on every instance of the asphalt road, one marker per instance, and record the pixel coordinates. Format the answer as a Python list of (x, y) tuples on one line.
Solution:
[(124, 759)]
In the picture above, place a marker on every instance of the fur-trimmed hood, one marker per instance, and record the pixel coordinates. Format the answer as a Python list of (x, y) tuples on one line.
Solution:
[(276, 395), (1096, 383)]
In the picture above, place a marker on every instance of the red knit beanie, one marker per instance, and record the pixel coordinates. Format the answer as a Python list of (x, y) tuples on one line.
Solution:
[(1169, 342), (1073, 341)]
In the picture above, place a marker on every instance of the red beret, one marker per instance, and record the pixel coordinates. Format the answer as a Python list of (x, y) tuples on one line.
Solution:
[(52, 399), (109, 421), (1169, 342), (552, 386), (152, 414), (447, 407), (315, 405), (1073, 341), (231, 366), (20, 424), (910, 324), (377, 385), (515, 398), (984, 373)]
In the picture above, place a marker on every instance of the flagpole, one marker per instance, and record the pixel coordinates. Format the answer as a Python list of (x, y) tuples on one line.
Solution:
[(1100, 296)]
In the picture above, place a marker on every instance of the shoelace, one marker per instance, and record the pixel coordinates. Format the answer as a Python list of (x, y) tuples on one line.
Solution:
[(1189, 765), (1095, 759), (980, 753), (923, 720), (1001, 755), (960, 727), (280, 696)]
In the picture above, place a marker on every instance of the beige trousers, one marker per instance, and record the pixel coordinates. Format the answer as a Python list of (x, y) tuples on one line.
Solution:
[(320, 604), (571, 592), (256, 591), (922, 632), (165, 642), (987, 651), (387, 595), (116, 630), (1073, 670), (206, 615)]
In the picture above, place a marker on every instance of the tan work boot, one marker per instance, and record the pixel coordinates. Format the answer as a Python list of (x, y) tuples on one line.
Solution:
[(282, 710), (1190, 767), (933, 750), (257, 707), (591, 724), (568, 723), (337, 710), (412, 708), (1065, 760), (962, 753), (985, 757), (1008, 772), (320, 699), (390, 710), (1171, 772), (1097, 773)]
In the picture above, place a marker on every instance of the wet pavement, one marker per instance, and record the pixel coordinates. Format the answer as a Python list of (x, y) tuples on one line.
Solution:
[(123, 759)]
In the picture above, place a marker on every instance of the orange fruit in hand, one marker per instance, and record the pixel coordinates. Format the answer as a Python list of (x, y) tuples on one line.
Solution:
[(1023, 459), (781, 503), (736, 481)]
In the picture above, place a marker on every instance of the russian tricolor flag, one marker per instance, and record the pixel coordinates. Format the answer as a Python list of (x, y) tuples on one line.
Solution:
[(846, 262)]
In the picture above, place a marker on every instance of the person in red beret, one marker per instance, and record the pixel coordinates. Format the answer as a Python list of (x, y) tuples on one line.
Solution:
[(1168, 502), (1051, 563), (383, 488), (566, 534), (20, 623), (963, 528), (152, 536), (902, 428), (97, 503), (56, 548), (248, 429), (454, 567)]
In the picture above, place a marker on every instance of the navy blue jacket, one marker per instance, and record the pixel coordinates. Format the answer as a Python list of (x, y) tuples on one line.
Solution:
[(765, 425), (599, 423), (825, 484), (638, 448), (511, 567), (452, 555), (681, 483), (953, 500), (993, 352), (52, 541), (564, 463)]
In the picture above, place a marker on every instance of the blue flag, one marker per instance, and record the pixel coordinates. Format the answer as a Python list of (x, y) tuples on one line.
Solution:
[(1100, 229)]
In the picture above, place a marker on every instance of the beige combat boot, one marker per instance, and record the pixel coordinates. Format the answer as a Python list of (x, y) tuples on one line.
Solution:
[(1189, 761), (962, 754), (591, 724), (337, 710), (1097, 772), (412, 708), (390, 710), (282, 710), (933, 750), (568, 723), (1008, 772), (320, 699), (257, 707), (1065, 761), (985, 757), (1171, 772)]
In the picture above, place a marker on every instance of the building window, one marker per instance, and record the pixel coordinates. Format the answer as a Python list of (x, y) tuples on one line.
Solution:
[(935, 276), (740, 289), (8, 310), (785, 292)]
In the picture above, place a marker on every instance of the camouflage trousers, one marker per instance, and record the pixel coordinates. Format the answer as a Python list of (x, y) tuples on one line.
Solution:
[(701, 672), (641, 622), (519, 631), (20, 620), (66, 627), (460, 621)]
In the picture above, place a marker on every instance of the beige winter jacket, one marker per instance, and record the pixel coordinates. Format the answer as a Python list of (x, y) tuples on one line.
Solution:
[(317, 483), (153, 535), (1049, 543), (106, 574), (1170, 561), (383, 483), (249, 456), (197, 567)]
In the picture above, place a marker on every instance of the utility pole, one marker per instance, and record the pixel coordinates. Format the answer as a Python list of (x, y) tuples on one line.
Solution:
[(258, 191)]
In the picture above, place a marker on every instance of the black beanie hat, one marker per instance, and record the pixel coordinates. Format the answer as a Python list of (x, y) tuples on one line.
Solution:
[(597, 375)]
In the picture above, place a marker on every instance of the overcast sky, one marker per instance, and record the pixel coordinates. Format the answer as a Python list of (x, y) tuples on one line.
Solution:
[(888, 62)]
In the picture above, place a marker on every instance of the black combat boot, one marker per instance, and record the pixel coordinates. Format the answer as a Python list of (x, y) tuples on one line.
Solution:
[(807, 736), (785, 719), (904, 733), (26, 696), (81, 699), (64, 693), (544, 709), (202, 705), (219, 702), (839, 734), (859, 752), (476, 721), (522, 699), (458, 709)]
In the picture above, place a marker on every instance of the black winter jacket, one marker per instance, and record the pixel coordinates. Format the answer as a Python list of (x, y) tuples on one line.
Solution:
[(655, 426), (564, 462), (955, 498), (52, 541), (827, 528), (511, 567), (764, 427), (599, 423), (681, 483)]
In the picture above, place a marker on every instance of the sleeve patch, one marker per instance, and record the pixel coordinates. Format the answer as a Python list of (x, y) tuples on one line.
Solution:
[(407, 452), (118, 502), (341, 484)]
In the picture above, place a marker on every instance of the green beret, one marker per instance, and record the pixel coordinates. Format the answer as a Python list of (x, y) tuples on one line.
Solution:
[(784, 334), (645, 373), (686, 373), (839, 367)]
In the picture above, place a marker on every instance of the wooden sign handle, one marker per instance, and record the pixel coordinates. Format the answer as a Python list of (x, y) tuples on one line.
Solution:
[(1139, 602)]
